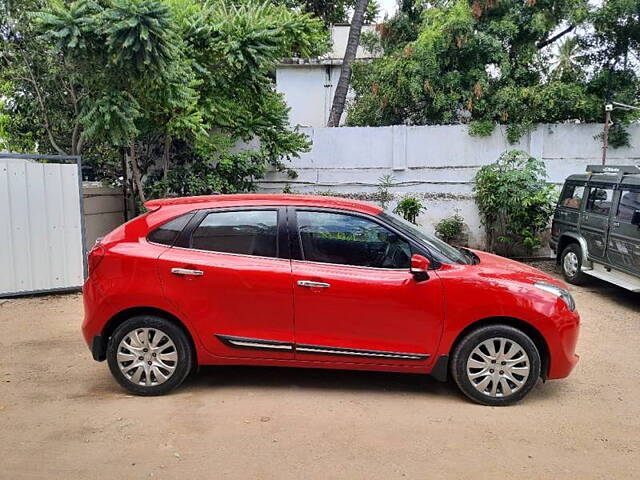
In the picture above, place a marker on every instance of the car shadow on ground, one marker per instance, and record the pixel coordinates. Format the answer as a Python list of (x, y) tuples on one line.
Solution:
[(605, 290), (317, 379), (598, 288)]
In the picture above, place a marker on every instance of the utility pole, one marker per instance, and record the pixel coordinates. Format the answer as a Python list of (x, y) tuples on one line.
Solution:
[(608, 108), (605, 134)]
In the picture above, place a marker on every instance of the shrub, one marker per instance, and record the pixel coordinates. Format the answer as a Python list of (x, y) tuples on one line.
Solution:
[(383, 195), (515, 202), (409, 207), (481, 128), (449, 228)]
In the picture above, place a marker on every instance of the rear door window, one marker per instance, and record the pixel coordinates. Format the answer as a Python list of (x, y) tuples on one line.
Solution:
[(167, 233), (599, 200), (572, 196), (629, 203), (245, 232)]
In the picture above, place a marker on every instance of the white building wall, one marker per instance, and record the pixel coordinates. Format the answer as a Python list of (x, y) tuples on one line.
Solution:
[(308, 86), (437, 163)]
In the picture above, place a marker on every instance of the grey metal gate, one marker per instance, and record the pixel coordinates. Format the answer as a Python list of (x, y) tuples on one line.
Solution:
[(41, 224)]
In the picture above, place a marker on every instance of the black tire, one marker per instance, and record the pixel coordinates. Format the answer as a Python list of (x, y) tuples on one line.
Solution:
[(578, 277), (181, 345), (475, 338)]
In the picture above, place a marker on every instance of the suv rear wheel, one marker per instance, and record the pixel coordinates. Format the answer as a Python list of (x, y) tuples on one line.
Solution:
[(149, 355), (496, 365), (571, 264)]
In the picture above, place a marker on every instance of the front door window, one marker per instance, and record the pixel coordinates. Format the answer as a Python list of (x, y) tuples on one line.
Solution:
[(350, 240)]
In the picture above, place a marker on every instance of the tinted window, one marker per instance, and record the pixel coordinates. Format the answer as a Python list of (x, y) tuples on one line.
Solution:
[(166, 234), (629, 203), (250, 232), (599, 200), (350, 240), (572, 196)]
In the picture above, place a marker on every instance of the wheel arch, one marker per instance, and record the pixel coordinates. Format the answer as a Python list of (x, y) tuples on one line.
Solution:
[(525, 327), (569, 238), (100, 350)]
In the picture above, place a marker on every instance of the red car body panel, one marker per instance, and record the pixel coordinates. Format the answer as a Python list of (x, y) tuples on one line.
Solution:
[(366, 309)]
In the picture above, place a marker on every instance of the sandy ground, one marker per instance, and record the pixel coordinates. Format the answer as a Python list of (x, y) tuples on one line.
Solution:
[(63, 417)]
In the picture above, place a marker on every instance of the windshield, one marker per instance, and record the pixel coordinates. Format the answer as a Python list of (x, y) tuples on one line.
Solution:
[(443, 252)]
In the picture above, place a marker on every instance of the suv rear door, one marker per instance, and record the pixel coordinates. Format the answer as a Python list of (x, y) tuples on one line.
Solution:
[(623, 250), (594, 224)]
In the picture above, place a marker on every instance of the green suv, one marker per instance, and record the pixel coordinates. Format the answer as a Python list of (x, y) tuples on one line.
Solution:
[(596, 226)]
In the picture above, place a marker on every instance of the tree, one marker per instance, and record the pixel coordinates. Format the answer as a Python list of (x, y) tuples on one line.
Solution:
[(178, 83), (340, 95), (483, 63)]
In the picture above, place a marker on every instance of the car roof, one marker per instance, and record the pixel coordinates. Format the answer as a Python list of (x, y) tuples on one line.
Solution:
[(256, 199), (627, 180)]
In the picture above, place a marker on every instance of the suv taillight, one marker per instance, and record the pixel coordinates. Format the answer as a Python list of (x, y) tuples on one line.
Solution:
[(95, 257)]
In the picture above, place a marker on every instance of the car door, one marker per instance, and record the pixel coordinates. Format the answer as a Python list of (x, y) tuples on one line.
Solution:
[(567, 213), (355, 299), (594, 222), (230, 276), (623, 250)]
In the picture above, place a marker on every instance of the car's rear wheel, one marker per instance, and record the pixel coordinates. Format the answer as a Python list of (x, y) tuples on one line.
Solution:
[(496, 365), (149, 355), (571, 264)]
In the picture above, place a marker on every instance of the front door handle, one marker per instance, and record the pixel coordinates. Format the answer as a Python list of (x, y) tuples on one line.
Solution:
[(311, 284), (187, 271)]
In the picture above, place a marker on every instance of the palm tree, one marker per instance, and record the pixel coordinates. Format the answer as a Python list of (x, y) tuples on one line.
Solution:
[(568, 58), (340, 97)]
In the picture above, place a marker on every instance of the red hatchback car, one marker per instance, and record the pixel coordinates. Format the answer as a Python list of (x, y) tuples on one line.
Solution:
[(305, 281)]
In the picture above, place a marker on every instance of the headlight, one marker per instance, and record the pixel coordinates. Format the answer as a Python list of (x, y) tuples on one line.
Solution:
[(558, 292)]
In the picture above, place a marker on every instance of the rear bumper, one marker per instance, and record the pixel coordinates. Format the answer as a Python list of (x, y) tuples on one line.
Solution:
[(91, 325), (98, 348)]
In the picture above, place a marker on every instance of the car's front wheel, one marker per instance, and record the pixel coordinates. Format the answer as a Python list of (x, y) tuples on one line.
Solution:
[(571, 264), (149, 355), (496, 365)]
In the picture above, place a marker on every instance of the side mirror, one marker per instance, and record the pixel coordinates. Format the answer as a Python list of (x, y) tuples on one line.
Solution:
[(635, 219), (419, 267)]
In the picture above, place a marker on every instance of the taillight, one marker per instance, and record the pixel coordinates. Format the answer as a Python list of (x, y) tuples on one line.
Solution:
[(95, 257)]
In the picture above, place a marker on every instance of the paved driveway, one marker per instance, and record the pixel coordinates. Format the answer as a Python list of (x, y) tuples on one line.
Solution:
[(63, 417)]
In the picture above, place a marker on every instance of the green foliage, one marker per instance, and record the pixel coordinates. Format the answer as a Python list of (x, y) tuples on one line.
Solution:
[(481, 128), (486, 62), (618, 136), (140, 35), (410, 207), (383, 195), (187, 86), (450, 227), (515, 202)]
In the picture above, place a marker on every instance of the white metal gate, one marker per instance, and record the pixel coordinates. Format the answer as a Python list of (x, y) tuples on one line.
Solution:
[(41, 224)]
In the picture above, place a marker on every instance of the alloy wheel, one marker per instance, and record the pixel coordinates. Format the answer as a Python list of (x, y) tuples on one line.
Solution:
[(498, 367), (147, 356)]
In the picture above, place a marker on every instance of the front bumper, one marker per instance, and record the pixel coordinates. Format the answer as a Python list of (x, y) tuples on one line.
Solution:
[(562, 345)]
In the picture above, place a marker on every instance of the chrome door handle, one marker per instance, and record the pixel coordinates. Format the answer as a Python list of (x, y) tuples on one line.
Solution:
[(616, 224), (310, 284), (187, 271)]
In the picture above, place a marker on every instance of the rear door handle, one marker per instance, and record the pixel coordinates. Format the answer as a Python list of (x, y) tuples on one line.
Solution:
[(616, 224), (187, 271), (311, 284)]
